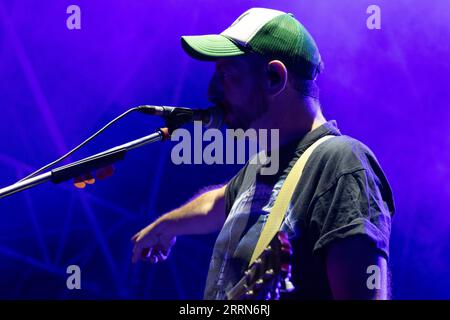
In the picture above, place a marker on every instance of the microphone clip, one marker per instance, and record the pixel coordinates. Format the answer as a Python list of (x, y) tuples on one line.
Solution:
[(178, 118)]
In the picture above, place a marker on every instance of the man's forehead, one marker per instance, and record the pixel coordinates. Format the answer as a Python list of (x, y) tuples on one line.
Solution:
[(237, 61), (230, 62)]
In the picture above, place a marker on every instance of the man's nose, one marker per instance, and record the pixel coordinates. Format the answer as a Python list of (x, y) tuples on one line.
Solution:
[(215, 90)]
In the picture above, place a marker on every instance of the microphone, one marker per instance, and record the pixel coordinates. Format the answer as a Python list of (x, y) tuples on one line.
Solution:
[(211, 117)]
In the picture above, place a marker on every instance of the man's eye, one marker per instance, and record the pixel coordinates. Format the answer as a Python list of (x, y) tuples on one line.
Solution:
[(224, 75)]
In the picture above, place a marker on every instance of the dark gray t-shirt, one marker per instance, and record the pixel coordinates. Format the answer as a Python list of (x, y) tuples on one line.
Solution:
[(343, 192)]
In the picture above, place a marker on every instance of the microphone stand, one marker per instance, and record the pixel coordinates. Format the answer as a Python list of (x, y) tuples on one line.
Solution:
[(97, 161)]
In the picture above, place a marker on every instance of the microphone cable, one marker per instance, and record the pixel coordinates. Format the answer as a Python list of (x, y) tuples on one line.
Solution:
[(33, 174)]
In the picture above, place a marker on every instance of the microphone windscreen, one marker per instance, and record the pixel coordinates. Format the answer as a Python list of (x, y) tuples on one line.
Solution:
[(215, 120)]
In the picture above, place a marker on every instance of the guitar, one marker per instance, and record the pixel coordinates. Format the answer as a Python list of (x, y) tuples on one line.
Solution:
[(268, 275)]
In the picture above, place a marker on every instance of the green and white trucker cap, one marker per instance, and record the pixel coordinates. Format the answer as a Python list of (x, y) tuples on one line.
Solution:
[(271, 33)]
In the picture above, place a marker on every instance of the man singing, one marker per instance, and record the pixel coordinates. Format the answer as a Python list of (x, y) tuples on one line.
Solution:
[(339, 217)]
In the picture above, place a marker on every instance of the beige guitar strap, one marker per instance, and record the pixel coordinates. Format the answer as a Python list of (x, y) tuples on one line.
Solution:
[(281, 205)]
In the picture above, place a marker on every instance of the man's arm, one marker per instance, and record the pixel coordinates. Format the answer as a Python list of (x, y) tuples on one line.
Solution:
[(353, 265), (204, 214)]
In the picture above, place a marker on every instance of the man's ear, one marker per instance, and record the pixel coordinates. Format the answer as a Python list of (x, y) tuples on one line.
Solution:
[(277, 77)]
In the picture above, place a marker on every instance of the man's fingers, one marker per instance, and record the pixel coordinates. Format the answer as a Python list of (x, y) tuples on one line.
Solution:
[(134, 238), (140, 250), (150, 254), (165, 253), (152, 258), (159, 256), (136, 253), (146, 253), (162, 256), (151, 247), (168, 241)]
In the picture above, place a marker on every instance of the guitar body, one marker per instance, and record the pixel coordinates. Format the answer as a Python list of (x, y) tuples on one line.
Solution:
[(268, 275)]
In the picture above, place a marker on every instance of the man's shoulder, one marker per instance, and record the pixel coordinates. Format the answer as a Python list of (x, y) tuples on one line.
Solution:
[(344, 156), (345, 153), (341, 145)]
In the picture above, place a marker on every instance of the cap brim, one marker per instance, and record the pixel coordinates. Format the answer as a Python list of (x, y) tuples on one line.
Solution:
[(210, 47)]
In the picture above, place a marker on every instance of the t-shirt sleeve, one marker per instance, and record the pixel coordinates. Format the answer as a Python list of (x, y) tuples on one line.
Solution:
[(356, 204), (232, 189)]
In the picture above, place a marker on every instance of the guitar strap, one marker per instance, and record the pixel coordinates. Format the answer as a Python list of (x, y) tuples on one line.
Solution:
[(281, 205)]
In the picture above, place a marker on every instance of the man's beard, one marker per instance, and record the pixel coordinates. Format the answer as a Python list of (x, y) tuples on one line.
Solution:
[(246, 120), (261, 108)]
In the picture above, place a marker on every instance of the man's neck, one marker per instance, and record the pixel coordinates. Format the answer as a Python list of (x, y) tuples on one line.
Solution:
[(298, 118), (288, 134)]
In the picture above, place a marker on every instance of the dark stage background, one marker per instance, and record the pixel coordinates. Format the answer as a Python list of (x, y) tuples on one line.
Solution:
[(388, 87)]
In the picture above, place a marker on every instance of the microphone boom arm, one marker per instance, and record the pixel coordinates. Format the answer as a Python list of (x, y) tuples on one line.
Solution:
[(75, 169)]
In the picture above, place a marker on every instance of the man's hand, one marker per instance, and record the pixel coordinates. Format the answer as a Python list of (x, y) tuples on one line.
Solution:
[(204, 214), (153, 243)]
